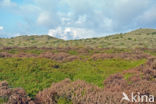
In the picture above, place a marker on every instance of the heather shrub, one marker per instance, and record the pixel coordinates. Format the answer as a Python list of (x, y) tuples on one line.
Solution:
[(5, 54), (134, 78), (24, 55), (79, 92), (13, 95), (149, 69), (128, 56), (115, 83)]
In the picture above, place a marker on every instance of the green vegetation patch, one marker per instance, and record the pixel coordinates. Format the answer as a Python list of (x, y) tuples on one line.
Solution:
[(151, 52), (63, 100), (35, 74), (3, 100), (128, 75)]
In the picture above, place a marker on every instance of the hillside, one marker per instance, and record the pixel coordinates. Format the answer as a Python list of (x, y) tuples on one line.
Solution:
[(141, 38), (30, 41)]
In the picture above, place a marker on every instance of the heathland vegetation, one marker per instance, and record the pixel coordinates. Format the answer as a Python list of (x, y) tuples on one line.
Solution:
[(47, 70)]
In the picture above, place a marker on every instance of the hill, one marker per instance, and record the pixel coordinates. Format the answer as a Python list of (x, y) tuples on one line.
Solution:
[(140, 38), (30, 41)]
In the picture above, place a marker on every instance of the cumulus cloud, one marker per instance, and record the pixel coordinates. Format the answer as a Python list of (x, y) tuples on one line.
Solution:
[(1, 28), (69, 33)]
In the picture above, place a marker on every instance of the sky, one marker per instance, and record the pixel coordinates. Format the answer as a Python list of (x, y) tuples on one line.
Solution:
[(75, 19)]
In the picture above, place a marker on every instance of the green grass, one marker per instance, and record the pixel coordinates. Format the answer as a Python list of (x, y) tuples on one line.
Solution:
[(113, 50), (128, 75), (27, 51), (3, 100), (150, 52), (35, 74), (62, 100), (72, 52)]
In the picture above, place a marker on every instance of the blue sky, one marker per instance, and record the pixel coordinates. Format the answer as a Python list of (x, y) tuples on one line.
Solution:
[(75, 19)]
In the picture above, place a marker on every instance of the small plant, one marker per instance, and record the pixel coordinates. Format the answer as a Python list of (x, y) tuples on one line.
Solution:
[(129, 38)]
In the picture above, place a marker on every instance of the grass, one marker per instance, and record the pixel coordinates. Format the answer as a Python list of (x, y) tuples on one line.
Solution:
[(27, 51), (113, 50), (128, 75), (150, 52), (62, 100), (3, 100), (35, 74)]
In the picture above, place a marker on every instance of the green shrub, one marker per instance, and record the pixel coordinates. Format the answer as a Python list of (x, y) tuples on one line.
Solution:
[(129, 38)]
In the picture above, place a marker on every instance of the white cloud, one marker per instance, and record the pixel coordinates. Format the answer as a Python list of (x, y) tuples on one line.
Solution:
[(29, 9), (74, 19), (48, 19), (44, 18), (7, 3), (148, 17), (82, 19), (68, 33), (1, 28)]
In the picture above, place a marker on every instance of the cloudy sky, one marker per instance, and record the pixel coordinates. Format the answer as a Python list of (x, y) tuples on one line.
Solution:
[(75, 19)]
